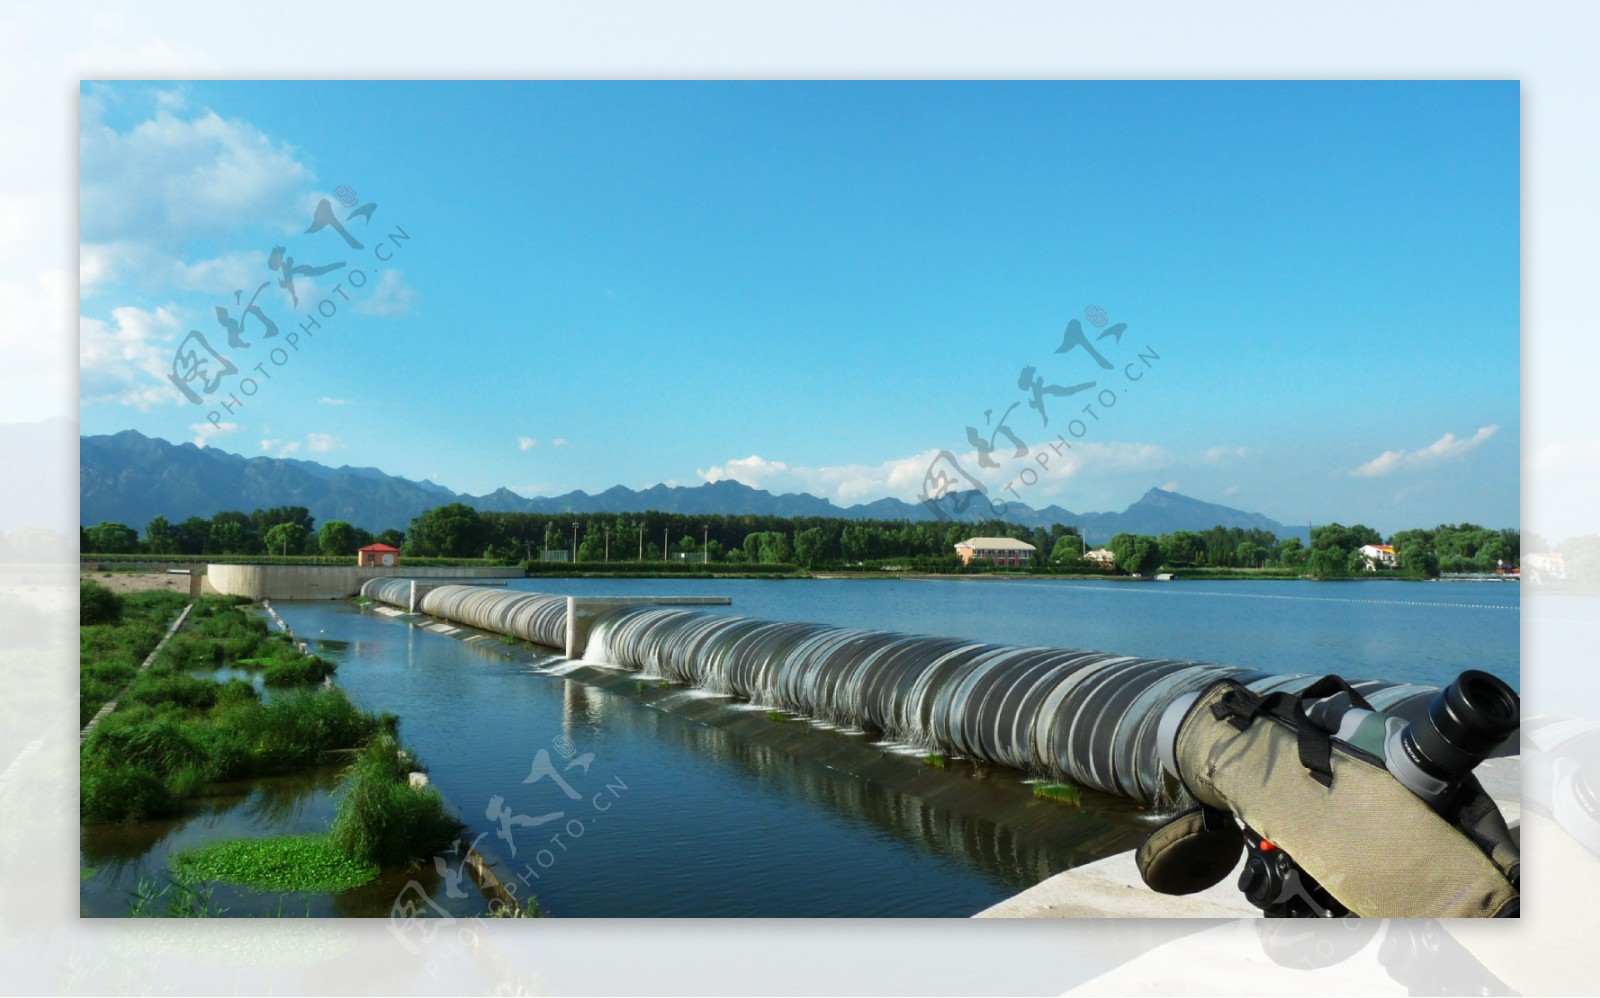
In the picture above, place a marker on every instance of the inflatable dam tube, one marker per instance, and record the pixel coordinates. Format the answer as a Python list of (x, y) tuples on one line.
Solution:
[(1086, 717), (532, 617)]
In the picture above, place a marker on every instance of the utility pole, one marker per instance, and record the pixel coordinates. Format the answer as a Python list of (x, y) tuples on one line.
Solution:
[(608, 542), (574, 542), (705, 547), (663, 543), (641, 544)]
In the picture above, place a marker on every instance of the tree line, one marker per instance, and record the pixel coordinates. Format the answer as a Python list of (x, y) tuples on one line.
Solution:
[(456, 530), (281, 530)]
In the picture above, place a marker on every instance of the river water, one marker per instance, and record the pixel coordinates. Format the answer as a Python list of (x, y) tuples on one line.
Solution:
[(609, 803)]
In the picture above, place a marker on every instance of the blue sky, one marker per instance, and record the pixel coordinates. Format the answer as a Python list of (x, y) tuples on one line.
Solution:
[(819, 286)]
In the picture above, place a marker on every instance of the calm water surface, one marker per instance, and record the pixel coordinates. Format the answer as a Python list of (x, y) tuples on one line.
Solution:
[(672, 817)]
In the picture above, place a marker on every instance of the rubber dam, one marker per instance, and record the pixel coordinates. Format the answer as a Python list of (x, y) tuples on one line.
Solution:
[(1086, 717)]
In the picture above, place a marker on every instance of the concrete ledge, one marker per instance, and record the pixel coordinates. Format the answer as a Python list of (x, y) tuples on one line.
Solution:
[(582, 611), (308, 582)]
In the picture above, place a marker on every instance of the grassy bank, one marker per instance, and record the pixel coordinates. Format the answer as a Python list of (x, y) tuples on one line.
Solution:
[(175, 732), (115, 635)]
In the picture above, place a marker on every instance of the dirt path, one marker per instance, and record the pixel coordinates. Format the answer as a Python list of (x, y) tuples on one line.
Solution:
[(140, 582)]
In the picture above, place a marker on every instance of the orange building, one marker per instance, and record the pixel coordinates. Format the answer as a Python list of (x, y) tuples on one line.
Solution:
[(378, 555), (1000, 550)]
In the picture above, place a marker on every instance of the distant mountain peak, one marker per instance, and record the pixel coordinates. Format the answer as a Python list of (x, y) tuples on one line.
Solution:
[(131, 478)]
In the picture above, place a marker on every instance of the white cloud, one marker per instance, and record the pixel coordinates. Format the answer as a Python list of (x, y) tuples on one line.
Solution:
[(322, 443), (205, 430), (127, 360), (171, 179), (283, 447), (1446, 448), (391, 296), (1169, 487), (526, 443), (1231, 490), (906, 477), (1219, 455), (325, 400), (559, 442)]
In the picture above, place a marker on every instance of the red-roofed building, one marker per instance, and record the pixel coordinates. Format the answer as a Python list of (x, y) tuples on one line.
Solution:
[(377, 555)]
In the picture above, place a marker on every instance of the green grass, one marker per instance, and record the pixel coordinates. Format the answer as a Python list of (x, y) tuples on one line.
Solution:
[(1066, 793), (382, 819), (109, 653), (310, 864), (145, 758), (935, 760), (777, 715)]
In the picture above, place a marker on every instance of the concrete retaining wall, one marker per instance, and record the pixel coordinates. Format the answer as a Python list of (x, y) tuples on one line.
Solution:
[(309, 582)]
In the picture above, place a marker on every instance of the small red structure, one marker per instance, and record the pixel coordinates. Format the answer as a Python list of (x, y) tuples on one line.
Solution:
[(378, 555)]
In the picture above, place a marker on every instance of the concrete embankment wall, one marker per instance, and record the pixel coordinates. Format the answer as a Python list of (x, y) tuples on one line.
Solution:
[(309, 582)]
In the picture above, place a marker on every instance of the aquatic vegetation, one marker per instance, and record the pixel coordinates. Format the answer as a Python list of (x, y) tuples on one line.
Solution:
[(182, 901), (297, 670), (1066, 793), (305, 863), (935, 760), (777, 715), (382, 818)]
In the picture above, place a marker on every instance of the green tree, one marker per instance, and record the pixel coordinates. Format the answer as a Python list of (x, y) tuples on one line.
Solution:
[(1183, 547), (776, 549), (1289, 552), (286, 538), (454, 530), (1328, 563), (111, 537), (1250, 555), (393, 538), (1068, 550), (337, 538), (810, 546), (1418, 561), (228, 537), (158, 537), (1136, 554)]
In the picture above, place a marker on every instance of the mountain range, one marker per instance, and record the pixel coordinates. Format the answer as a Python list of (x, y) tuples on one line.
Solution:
[(131, 478)]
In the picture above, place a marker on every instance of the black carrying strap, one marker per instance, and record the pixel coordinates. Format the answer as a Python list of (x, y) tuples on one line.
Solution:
[(1239, 707)]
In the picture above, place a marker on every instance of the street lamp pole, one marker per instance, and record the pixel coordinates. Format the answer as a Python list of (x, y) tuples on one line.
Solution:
[(705, 547), (664, 543), (574, 542), (608, 542)]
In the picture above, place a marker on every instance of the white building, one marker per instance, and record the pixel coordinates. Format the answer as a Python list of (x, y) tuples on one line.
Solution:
[(1101, 556), (1378, 556)]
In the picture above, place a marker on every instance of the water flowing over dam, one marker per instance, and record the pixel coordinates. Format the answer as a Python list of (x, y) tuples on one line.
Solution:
[(1088, 717)]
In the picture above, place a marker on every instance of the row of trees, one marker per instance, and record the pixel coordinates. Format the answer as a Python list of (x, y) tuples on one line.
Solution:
[(283, 530), (456, 530), (1335, 550)]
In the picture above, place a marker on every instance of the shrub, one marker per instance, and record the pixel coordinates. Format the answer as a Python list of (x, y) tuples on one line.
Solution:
[(97, 604), (123, 793), (300, 670)]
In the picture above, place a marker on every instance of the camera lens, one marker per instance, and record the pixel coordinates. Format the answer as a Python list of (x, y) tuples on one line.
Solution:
[(1465, 722)]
